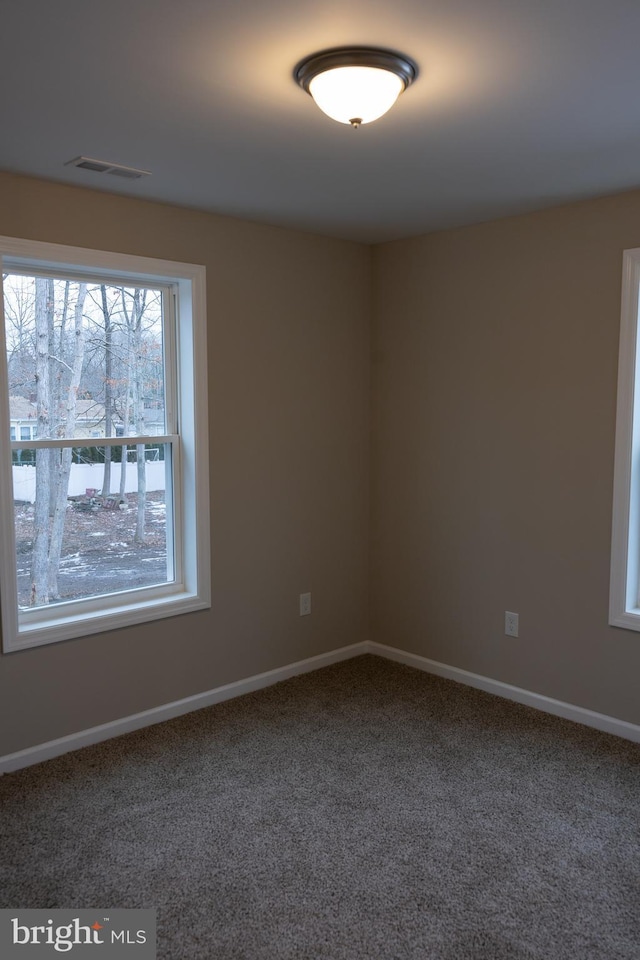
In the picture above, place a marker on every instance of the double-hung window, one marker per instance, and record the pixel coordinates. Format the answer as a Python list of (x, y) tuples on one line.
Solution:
[(104, 490)]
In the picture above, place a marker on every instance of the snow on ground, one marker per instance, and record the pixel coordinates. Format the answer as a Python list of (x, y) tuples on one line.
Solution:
[(99, 551)]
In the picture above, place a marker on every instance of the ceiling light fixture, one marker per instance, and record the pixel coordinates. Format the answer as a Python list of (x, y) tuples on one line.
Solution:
[(355, 84)]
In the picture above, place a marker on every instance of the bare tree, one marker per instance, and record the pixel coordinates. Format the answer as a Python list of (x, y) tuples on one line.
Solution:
[(135, 396), (139, 301), (64, 466), (82, 343), (53, 467), (43, 312), (19, 308), (57, 365), (108, 389)]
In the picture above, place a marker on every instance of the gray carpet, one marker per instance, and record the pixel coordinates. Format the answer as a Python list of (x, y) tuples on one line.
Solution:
[(363, 812)]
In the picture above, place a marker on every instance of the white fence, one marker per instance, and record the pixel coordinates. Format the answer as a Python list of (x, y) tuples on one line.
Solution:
[(89, 476)]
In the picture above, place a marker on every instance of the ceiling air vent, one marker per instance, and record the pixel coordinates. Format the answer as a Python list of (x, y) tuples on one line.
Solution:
[(103, 166)]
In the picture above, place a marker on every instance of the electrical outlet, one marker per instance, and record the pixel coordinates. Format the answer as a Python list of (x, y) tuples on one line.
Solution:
[(305, 604), (510, 624)]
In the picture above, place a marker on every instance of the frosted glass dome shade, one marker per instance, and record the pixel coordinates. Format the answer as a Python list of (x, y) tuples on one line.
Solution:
[(356, 94), (355, 85)]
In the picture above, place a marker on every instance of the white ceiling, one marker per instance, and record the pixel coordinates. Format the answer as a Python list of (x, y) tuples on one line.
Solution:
[(520, 104)]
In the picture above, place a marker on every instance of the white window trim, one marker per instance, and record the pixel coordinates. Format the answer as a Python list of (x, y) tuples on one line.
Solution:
[(191, 476), (624, 610)]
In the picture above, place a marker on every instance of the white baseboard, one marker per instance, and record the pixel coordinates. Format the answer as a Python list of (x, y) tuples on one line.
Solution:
[(85, 738), (599, 721)]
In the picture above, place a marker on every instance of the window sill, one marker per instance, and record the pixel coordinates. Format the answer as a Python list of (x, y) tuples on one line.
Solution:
[(69, 627), (629, 620)]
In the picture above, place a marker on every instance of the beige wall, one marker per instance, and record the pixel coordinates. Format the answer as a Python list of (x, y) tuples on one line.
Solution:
[(493, 368), (289, 405), (494, 386)]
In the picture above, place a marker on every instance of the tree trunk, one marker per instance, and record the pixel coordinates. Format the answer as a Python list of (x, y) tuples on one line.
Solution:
[(127, 397), (123, 457), (64, 468), (139, 299), (56, 374), (39, 559), (140, 536), (108, 391)]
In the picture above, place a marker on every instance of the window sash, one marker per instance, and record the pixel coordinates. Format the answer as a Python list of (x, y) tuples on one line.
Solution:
[(86, 606)]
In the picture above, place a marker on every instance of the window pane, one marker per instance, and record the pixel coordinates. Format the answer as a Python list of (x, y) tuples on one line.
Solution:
[(84, 360), (105, 533)]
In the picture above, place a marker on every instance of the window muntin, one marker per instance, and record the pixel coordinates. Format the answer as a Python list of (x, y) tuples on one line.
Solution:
[(170, 379)]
